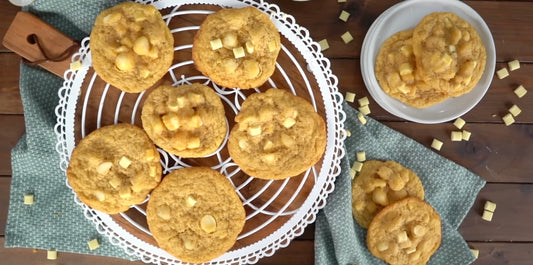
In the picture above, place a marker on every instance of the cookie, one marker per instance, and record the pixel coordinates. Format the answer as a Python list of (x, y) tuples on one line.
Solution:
[(195, 214), (449, 52), (114, 167), (277, 135), (407, 232), (379, 184), (188, 120), (395, 70), (237, 47), (131, 46)]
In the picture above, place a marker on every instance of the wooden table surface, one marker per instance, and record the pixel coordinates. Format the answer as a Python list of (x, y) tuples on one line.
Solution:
[(502, 155)]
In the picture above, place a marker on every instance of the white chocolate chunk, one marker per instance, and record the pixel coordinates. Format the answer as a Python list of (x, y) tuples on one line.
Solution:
[(466, 135), (208, 223), (238, 52), (436, 144), (163, 211), (350, 97), (379, 196), (139, 16), (352, 173), (341, 1), (475, 252), (402, 237), (363, 101), (502, 73), (361, 156), (513, 65), (76, 65), (383, 246), (28, 199), (487, 216), (520, 91), (125, 61), (171, 121), (254, 131), (490, 206), (190, 201), (289, 122), (410, 250), (515, 110), (104, 167), (344, 16), (272, 46), (361, 118), (324, 45), (348, 133), (508, 119), (141, 46), (459, 123), (112, 18), (216, 44), (51, 254), (99, 195), (193, 142), (230, 41), (124, 162), (346, 37), (249, 47), (357, 166), (188, 244), (457, 136), (125, 192), (365, 110), (93, 244), (115, 182)]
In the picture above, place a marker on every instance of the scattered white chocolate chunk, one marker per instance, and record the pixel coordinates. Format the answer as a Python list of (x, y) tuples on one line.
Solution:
[(28, 199), (341, 1), (487, 215), (190, 201), (363, 101), (346, 37), (475, 252), (508, 119), (344, 16), (208, 223), (456, 136), (216, 44), (520, 91), (324, 45), (515, 110), (365, 110), (124, 162), (502, 73), (402, 237), (350, 97), (141, 46), (51, 254), (489, 206), (513, 65), (348, 133), (238, 52), (104, 167), (459, 123), (93, 244), (436, 144), (76, 65), (361, 118), (466, 135), (352, 173), (361, 156), (357, 166)]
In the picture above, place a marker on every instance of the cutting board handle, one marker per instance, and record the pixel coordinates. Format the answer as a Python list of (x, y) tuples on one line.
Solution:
[(39, 43)]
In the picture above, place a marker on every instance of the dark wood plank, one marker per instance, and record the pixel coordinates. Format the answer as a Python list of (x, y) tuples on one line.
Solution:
[(12, 129), (10, 101), (5, 182), (503, 253), (512, 218), (7, 13)]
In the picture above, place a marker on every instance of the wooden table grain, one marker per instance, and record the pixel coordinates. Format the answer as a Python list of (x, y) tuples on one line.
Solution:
[(502, 155)]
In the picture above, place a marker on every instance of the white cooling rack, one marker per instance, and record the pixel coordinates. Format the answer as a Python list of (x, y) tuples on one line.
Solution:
[(276, 211)]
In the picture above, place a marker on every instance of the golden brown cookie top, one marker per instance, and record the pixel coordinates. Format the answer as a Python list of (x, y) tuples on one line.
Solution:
[(195, 214), (407, 232), (114, 167), (188, 120), (277, 135), (379, 184), (237, 47), (131, 46)]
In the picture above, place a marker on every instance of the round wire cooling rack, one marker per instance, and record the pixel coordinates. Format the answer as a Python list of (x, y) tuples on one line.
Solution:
[(276, 210)]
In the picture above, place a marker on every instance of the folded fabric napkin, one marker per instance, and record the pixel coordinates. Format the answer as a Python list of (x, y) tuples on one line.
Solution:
[(54, 221), (449, 188)]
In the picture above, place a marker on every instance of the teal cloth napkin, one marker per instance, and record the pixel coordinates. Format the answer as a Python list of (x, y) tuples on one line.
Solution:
[(54, 221), (449, 188)]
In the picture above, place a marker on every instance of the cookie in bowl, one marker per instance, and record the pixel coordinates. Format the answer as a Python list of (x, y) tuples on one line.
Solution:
[(131, 46), (195, 214), (237, 47), (379, 184), (277, 135), (114, 167), (188, 120)]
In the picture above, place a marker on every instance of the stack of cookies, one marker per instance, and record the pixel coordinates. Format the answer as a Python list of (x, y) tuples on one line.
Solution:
[(193, 213), (442, 57), (388, 199)]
